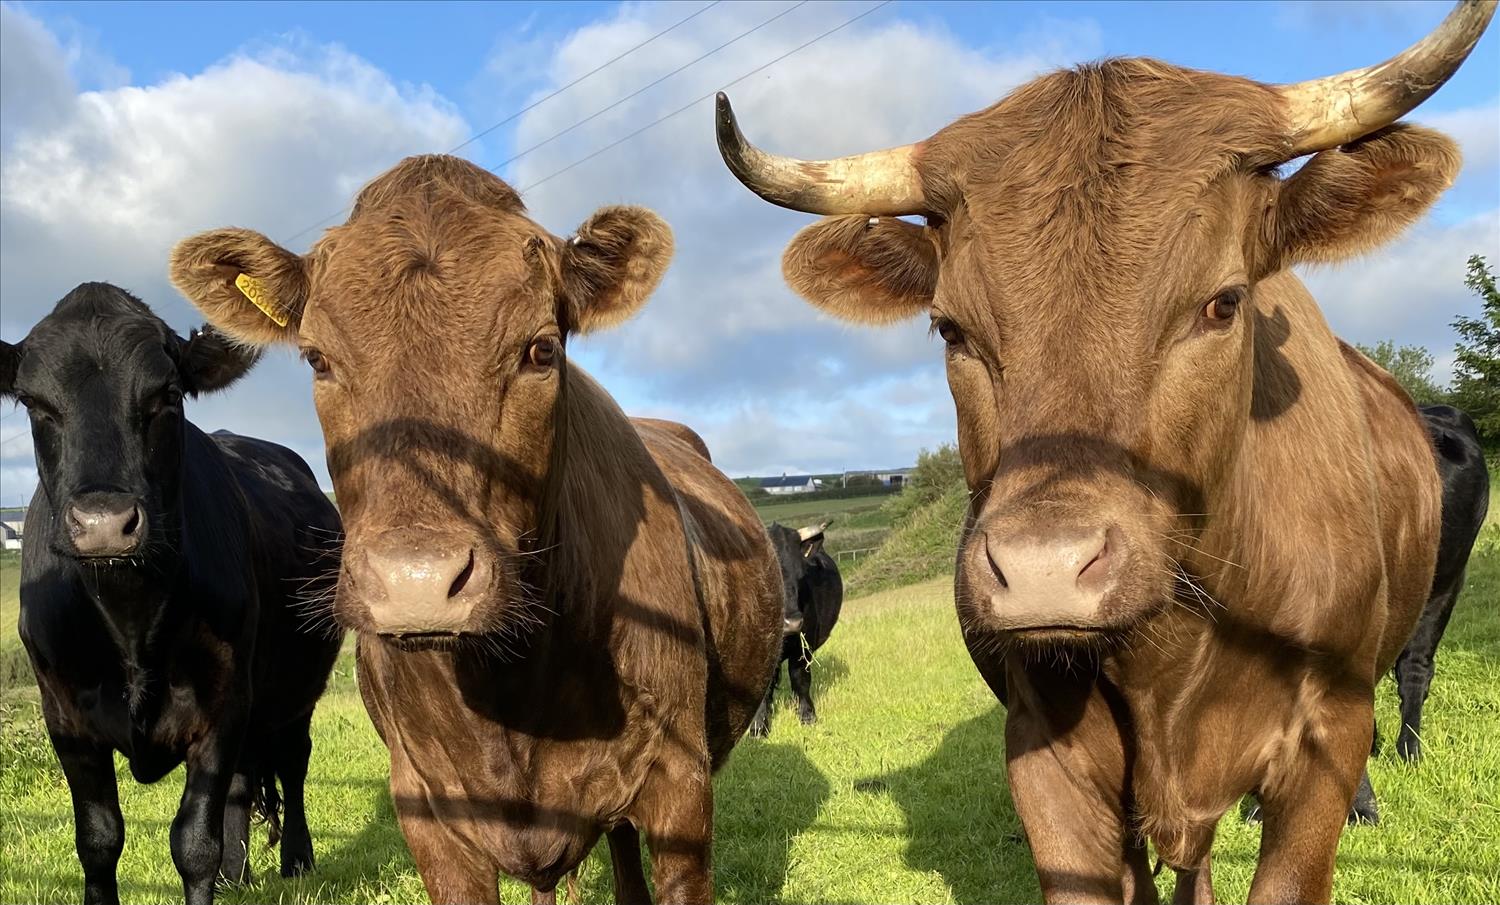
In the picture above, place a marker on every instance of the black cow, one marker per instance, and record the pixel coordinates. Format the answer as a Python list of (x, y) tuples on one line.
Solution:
[(1466, 500), (813, 593), (163, 583)]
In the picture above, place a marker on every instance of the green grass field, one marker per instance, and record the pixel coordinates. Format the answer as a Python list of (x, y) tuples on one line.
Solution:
[(897, 795)]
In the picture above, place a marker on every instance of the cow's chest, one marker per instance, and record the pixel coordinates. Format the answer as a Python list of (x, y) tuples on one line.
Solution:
[(151, 721), (533, 806)]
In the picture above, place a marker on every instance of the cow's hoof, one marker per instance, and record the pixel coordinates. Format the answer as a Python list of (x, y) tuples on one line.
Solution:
[(297, 866), (1409, 748), (1364, 813), (808, 718)]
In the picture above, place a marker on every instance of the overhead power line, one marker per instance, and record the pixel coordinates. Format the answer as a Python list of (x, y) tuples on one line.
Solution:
[(533, 105), (696, 101), (648, 86)]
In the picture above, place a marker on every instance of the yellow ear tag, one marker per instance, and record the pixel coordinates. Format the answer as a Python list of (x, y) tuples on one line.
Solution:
[(260, 297)]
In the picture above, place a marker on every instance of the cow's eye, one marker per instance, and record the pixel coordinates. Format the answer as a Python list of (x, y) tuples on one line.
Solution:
[(949, 331), (317, 361), (36, 408), (171, 398), (542, 353), (1223, 306)]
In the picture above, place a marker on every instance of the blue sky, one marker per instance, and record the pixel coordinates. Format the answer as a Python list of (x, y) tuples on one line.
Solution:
[(128, 126)]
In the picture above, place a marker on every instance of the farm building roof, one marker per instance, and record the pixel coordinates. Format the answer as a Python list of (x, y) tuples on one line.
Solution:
[(796, 480)]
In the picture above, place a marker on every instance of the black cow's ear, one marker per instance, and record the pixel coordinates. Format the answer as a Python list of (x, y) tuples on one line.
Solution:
[(10, 359), (211, 361)]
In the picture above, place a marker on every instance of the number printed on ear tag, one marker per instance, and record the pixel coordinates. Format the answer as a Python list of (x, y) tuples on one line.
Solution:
[(260, 296)]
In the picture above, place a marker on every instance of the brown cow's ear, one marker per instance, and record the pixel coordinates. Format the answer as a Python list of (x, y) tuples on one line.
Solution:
[(873, 270), (612, 264), (1352, 199), (247, 286)]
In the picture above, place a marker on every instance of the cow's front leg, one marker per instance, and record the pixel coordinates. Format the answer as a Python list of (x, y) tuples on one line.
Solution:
[(1066, 762), (197, 840), (234, 866), (1306, 808), (98, 827), (799, 671), (452, 871), (677, 818)]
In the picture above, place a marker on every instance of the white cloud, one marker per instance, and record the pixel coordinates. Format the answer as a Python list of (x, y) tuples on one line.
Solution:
[(35, 87), (1410, 290), (100, 184)]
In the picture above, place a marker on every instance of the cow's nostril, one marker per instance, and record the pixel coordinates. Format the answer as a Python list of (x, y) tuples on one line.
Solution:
[(132, 522), (995, 567), (463, 576), (1096, 571)]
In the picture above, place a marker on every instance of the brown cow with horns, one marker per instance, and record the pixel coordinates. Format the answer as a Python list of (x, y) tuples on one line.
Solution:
[(566, 619), (1200, 526)]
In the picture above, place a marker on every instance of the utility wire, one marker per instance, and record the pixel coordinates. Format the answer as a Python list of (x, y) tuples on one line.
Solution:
[(595, 115), (533, 105), (693, 103)]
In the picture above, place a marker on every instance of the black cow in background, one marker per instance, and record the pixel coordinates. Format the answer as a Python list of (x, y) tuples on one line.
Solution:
[(162, 588), (1466, 500), (813, 593)]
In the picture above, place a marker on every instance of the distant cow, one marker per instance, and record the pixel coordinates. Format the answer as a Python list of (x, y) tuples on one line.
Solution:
[(161, 588), (1466, 500), (1200, 529), (566, 620), (812, 593)]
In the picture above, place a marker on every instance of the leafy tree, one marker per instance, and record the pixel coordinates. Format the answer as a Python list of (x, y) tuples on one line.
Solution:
[(1476, 374), (937, 470), (1412, 368)]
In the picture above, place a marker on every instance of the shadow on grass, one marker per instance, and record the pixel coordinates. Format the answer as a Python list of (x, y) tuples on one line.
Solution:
[(767, 796), (959, 815)]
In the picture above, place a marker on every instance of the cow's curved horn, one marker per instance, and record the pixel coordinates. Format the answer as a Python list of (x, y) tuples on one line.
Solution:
[(1332, 111), (810, 532), (881, 183)]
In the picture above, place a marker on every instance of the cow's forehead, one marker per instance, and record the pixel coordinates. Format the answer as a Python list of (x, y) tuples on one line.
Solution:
[(1113, 134), (126, 348), (456, 274)]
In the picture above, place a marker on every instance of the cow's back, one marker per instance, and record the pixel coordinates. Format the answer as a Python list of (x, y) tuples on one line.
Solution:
[(739, 584)]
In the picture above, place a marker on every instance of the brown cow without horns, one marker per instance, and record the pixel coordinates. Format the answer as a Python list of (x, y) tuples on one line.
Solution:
[(1200, 526), (566, 620)]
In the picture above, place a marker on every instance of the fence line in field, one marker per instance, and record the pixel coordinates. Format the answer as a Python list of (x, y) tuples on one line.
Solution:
[(853, 554)]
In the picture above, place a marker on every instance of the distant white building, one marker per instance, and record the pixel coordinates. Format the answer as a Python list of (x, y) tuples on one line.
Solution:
[(12, 523), (786, 484), (894, 477)]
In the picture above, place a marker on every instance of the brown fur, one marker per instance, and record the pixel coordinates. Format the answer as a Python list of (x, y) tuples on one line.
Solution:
[(1274, 496), (632, 612)]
